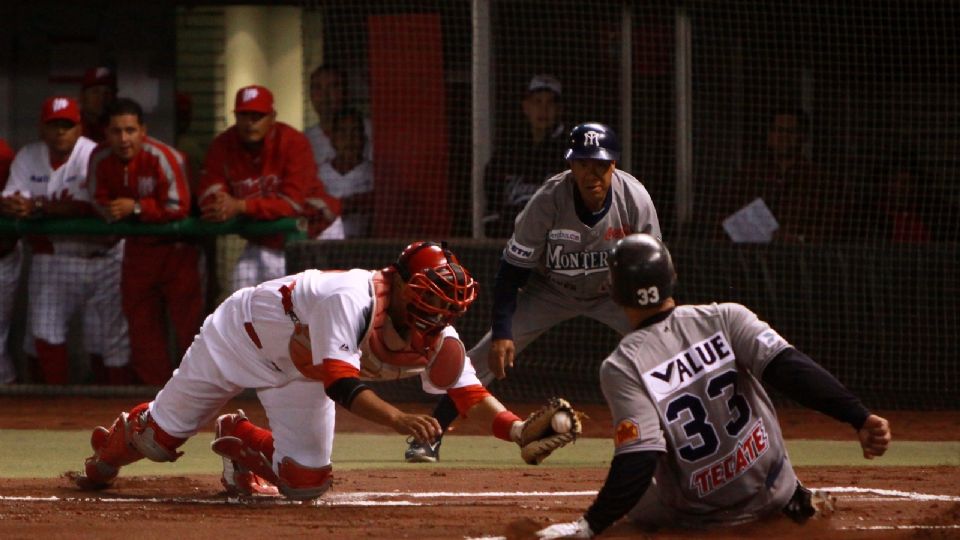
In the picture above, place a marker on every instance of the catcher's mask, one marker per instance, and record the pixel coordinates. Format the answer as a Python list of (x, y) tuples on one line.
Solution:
[(439, 289)]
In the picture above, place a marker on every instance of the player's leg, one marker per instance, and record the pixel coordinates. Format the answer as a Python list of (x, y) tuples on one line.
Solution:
[(258, 264), (53, 297), (183, 290), (245, 272), (141, 278), (273, 264), (105, 328), (9, 278), (295, 455), (191, 398), (606, 312), (535, 315)]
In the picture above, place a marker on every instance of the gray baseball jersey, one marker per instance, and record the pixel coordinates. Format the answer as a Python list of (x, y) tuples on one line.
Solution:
[(568, 260), (568, 256), (689, 386)]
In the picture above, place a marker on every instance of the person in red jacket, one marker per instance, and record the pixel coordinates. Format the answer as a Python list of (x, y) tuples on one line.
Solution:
[(134, 176), (260, 169), (9, 276)]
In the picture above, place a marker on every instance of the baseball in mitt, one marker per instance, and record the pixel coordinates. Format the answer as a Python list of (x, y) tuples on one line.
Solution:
[(552, 426)]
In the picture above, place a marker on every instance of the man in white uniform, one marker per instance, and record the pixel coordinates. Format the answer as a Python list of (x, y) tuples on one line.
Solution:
[(48, 178), (305, 342)]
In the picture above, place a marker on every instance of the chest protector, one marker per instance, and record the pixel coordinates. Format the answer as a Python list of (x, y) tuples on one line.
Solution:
[(384, 354)]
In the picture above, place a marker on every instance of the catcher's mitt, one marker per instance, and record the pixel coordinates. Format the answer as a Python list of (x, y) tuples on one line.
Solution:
[(538, 439)]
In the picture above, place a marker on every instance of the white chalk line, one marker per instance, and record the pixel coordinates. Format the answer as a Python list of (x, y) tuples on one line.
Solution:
[(893, 493), (397, 498)]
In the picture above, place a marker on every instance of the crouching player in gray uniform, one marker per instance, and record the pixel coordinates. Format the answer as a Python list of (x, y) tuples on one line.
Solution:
[(558, 256), (684, 389)]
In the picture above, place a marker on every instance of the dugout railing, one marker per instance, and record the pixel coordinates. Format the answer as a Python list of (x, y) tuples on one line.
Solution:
[(881, 317)]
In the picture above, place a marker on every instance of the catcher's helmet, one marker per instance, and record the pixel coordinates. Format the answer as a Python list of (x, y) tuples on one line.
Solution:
[(438, 290), (641, 271), (593, 141)]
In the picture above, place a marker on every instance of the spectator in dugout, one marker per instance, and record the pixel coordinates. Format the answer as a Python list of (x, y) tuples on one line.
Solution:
[(328, 95), (802, 197), (348, 176), (10, 258), (137, 178), (261, 169), (98, 91), (68, 273), (901, 204), (534, 153)]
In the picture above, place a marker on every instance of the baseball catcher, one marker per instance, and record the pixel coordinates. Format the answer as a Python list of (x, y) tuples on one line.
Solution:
[(310, 341)]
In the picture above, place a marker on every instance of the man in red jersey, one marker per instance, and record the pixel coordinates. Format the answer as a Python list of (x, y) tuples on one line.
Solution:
[(134, 176), (260, 169)]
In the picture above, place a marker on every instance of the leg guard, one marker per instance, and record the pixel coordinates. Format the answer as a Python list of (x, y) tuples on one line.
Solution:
[(247, 471), (132, 437), (302, 483)]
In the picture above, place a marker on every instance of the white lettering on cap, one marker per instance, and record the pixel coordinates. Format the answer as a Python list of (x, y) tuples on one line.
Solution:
[(59, 104), (591, 138), (249, 94)]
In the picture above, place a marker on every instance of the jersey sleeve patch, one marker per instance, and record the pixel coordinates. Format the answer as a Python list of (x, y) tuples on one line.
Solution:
[(519, 251), (627, 431), (770, 339)]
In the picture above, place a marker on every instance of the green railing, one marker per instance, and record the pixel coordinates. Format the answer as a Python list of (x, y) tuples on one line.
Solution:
[(291, 228)]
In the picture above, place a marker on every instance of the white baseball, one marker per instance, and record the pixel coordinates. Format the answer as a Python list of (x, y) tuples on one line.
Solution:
[(561, 422)]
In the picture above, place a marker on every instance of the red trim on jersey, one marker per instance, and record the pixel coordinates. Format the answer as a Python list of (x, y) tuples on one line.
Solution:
[(466, 397), (331, 371), (502, 425)]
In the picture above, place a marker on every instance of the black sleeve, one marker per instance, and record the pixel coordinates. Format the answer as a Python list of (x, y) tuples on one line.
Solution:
[(344, 390), (629, 477), (806, 382), (506, 284)]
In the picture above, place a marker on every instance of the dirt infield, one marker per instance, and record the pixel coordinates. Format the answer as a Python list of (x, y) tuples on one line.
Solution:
[(436, 502)]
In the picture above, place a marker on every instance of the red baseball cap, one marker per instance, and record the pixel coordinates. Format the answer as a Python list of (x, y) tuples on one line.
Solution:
[(100, 75), (253, 99), (60, 108)]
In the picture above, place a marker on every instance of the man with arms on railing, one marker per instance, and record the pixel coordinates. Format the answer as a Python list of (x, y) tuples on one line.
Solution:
[(261, 169), (136, 177), (67, 272)]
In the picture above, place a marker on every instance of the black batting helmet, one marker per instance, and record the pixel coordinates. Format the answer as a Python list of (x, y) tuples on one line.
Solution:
[(593, 141), (641, 271)]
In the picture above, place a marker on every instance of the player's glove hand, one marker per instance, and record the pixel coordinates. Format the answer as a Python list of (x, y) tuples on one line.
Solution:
[(538, 438), (575, 529)]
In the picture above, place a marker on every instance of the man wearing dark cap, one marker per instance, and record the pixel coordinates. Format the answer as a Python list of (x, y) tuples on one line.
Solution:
[(533, 153), (261, 169), (67, 273), (98, 91)]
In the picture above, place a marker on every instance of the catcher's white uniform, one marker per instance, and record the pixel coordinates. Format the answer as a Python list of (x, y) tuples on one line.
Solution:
[(246, 343)]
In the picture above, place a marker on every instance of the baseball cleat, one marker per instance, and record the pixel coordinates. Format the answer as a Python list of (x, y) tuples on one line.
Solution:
[(422, 453), (237, 479)]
